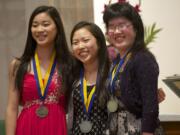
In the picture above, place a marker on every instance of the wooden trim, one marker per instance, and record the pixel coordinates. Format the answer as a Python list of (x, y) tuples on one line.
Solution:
[(171, 127)]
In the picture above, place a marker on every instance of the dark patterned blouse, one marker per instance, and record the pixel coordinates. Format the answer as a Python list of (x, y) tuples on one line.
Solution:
[(98, 116)]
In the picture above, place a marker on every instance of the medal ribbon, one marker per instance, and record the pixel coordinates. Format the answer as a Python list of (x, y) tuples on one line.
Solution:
[(87, 100), (43, 87), (116, 70)]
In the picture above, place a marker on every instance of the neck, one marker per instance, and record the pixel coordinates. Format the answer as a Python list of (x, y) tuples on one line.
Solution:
[(44, 53), (90, 72)]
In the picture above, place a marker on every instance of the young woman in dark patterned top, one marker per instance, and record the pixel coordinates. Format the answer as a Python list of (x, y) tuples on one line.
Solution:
[(88, 110)]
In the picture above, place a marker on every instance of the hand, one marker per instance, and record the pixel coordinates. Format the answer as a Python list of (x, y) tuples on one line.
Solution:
[(161, 95)]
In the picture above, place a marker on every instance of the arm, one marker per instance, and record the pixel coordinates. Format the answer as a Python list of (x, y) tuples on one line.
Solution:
[(147, 72), (13, 102)]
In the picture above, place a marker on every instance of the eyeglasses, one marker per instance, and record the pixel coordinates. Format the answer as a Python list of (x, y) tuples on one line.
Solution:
[(120, 27)]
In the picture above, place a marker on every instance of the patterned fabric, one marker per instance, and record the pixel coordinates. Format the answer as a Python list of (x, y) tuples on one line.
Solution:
[(126, 123), (123, 122), (97, 116), (52, 98)]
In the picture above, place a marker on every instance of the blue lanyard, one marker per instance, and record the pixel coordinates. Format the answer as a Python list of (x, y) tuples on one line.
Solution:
[(112, 80)]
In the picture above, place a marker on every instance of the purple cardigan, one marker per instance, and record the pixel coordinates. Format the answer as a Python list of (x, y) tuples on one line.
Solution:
[(139, 89)]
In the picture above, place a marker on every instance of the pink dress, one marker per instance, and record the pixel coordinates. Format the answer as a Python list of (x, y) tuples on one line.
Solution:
[(54, 123)]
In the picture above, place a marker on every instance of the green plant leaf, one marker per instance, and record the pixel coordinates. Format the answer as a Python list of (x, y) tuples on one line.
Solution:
[(150, 33)]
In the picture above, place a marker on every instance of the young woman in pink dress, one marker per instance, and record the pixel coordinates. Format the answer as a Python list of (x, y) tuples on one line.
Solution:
[(38, 78)]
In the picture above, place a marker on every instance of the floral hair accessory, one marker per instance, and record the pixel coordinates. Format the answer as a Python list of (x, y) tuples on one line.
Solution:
[(136, 7)]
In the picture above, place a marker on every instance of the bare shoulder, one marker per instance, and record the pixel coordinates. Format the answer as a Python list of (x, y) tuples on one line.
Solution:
[(14, 64)]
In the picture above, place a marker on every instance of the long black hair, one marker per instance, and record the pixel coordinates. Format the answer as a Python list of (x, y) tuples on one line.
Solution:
[(62, 52), (127, 11), (103, 59)]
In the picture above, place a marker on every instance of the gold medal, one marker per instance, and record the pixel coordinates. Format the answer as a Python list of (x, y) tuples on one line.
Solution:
[(42, 111), (112, 105), (85, 126)]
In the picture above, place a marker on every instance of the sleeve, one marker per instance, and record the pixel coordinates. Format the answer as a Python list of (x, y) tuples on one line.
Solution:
[(147, 72)]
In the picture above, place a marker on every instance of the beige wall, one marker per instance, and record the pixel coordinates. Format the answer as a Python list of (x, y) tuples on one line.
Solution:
[(12, 31), (14, 16)]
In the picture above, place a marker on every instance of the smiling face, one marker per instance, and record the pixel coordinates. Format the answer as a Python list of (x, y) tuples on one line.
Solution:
[(84, 46), (43, 30), (121, 33)]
